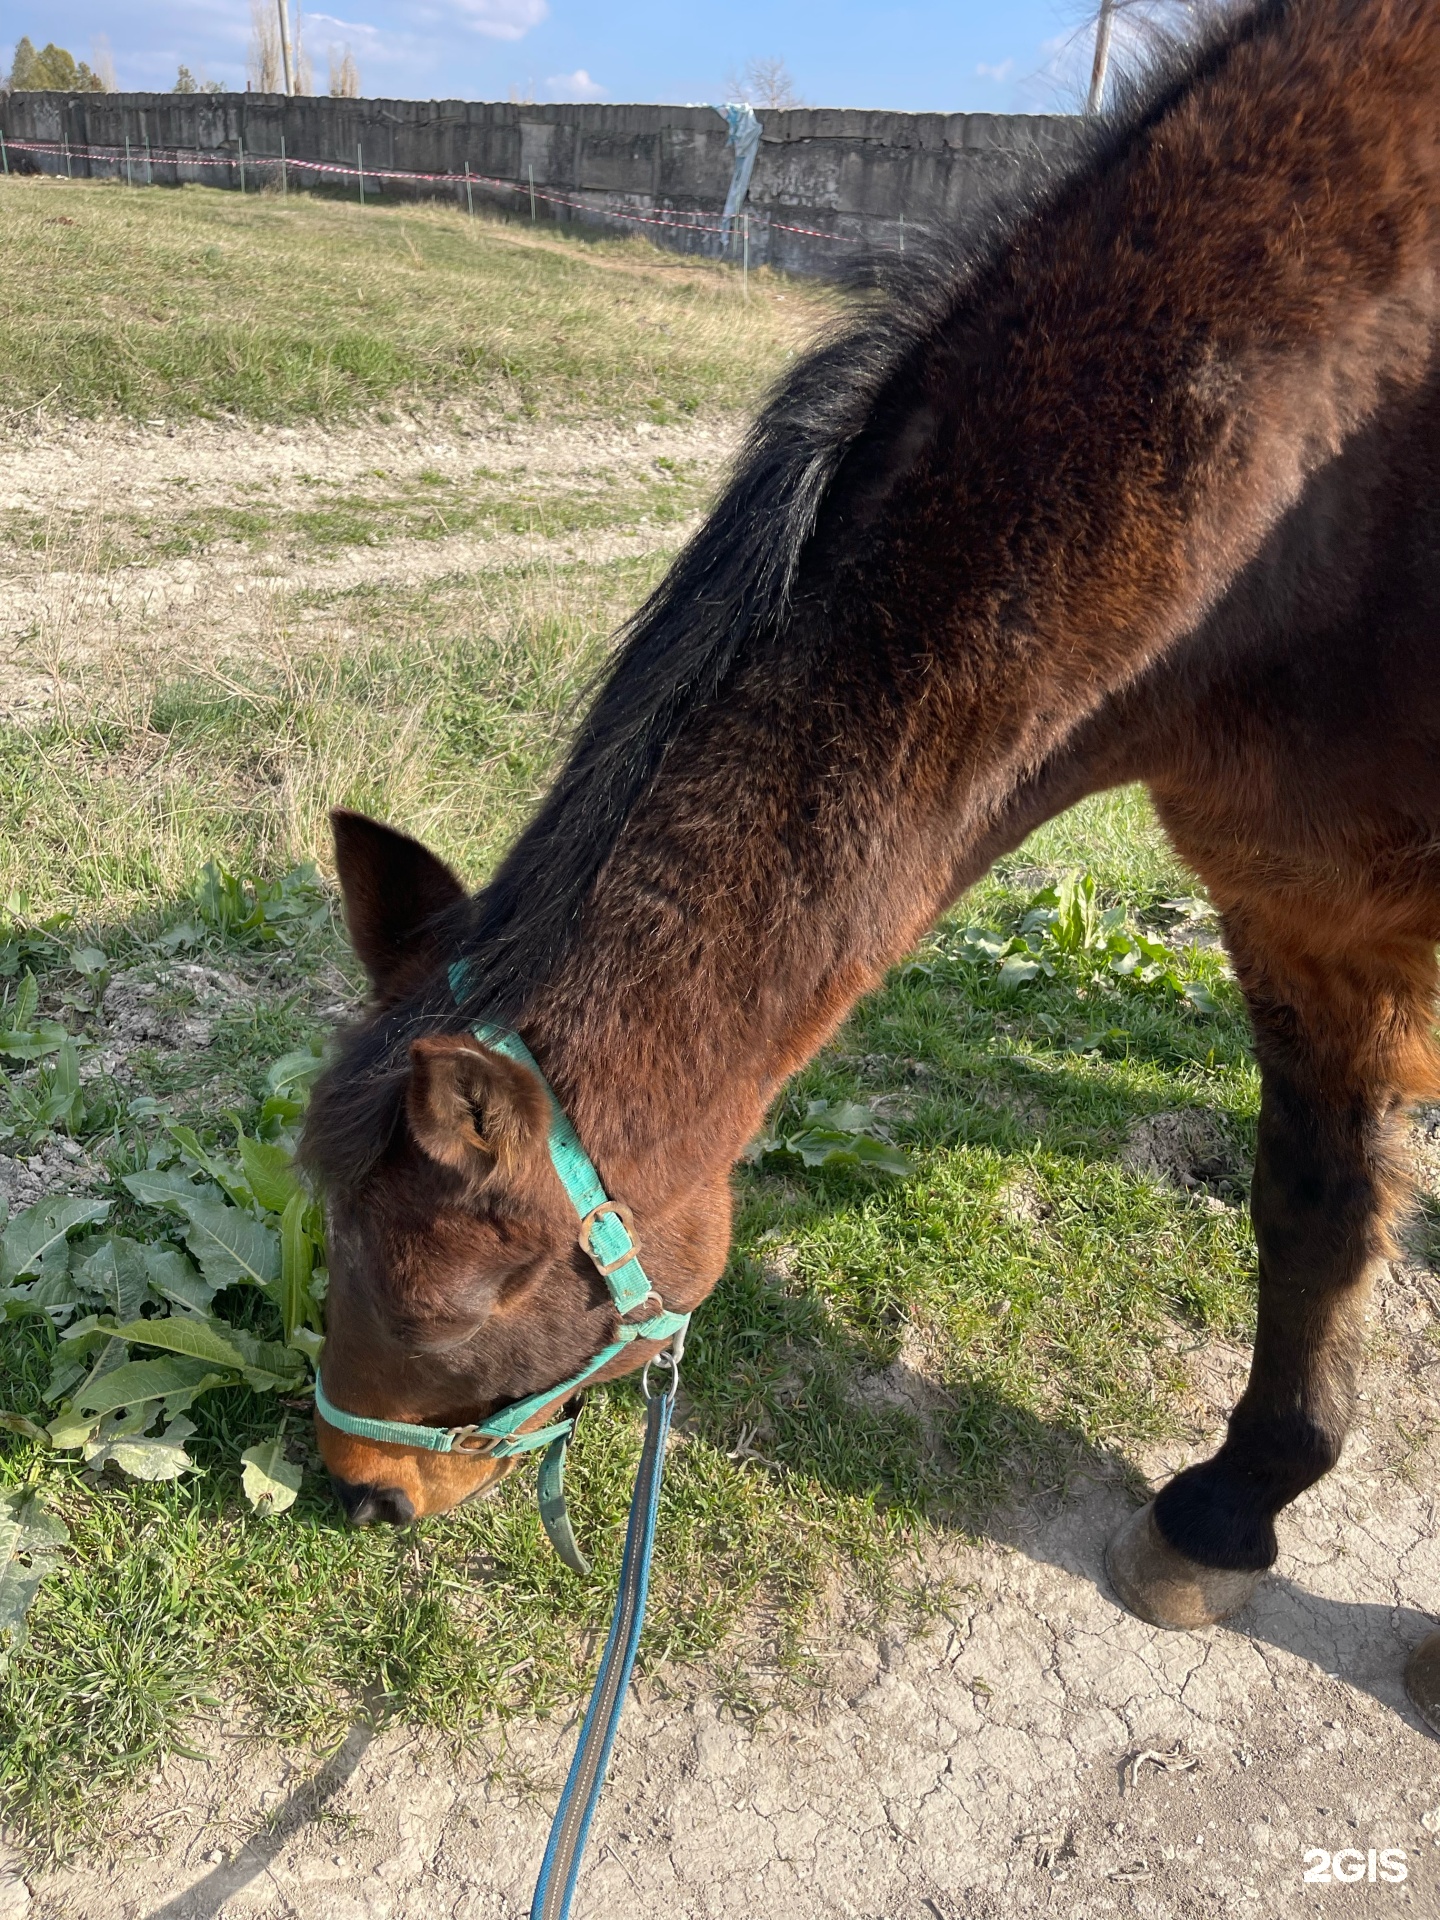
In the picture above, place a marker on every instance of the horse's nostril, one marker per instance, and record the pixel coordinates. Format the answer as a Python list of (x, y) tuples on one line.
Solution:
[(366, 1504)]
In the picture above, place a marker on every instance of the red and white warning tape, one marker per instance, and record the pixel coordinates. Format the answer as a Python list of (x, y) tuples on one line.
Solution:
[(151, 157)]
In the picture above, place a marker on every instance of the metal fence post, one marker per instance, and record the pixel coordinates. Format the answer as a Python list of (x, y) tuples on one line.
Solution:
[(745, 266), (532, 193), (241, 144), (128, 181), (4, 156), (469, 193), (283, 188), (360, 169)]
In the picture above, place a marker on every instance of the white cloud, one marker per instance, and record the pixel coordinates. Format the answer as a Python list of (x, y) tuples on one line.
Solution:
[(574, 86), (356, 32), (502, 19), (997, 73)]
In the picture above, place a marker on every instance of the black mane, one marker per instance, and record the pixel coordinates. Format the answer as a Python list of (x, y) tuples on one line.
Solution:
[(727, 593)]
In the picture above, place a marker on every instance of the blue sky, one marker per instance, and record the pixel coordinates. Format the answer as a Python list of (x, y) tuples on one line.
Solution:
[(996, 55)]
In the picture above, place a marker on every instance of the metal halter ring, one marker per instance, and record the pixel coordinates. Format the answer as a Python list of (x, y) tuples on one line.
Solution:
[(622, 1214), (671, 1357), (469, 1439)]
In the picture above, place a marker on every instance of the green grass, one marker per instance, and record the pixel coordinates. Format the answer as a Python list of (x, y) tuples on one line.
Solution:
[(444, 709), (172, 302)]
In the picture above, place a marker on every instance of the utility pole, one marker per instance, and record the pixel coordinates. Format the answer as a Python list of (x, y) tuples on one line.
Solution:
[(1103, 28), (284, 44)]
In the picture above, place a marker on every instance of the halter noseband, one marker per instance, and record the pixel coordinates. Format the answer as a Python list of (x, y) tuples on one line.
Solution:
[(606, 1237)]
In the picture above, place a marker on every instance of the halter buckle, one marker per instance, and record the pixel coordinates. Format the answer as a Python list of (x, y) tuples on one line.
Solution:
[(622, 1214), (469, 1439)]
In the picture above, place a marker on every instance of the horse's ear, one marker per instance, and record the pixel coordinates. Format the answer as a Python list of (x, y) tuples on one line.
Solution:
[(395, 891), (475, 1111)]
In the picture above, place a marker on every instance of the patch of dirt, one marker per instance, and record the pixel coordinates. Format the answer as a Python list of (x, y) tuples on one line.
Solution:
[(1022, 1203), (1189, 1149), (225, 603), (78, 464), (173, 1009), (908, 1383), (58, 1166)]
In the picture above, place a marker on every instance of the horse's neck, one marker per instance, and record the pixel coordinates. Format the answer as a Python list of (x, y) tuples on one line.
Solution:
[(980, 588)]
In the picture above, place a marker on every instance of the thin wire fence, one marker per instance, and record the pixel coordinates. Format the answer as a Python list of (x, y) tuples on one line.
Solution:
[(127, 161)]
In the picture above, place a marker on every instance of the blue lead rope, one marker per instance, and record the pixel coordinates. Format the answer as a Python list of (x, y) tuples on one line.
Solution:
[(560, 1868), (606, 1236)]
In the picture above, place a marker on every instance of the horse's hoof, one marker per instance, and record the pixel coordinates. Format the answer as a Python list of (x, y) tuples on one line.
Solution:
[(1166, 1588), (1422, 1680)]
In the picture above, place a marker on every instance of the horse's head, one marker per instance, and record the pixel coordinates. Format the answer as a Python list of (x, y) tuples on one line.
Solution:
[(457, 1282)]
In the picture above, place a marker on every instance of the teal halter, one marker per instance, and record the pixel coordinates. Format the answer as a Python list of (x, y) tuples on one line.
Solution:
[(605, 1235)]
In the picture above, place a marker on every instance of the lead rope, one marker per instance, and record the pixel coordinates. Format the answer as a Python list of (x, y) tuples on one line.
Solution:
[(560, 1868)]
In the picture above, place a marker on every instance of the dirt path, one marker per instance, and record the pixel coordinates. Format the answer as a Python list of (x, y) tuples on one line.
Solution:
[(1038, 1752), (67, 605)]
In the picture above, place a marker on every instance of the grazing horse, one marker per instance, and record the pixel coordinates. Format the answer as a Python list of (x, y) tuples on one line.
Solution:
[(1145, 488)]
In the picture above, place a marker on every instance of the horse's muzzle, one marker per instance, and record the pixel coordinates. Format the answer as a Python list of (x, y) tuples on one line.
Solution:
[(367, 1505)]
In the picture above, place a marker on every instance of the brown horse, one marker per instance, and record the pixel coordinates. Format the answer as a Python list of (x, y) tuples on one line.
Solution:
[(1146, 489)]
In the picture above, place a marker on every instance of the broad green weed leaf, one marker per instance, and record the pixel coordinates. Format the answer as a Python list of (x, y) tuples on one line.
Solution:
[(175, 1278), (269, 1171), (297, 1257), (154, 1457), (34, 1241), (34, 1043), (878, 1156), (310, 1343), (265, 1363), (271, 1482), (168, 1188), (27, 999), (220, 1171), (208, 1340), (64, 1372), (1017, 970), (293, 1072), (230, 1246), (141, 1380), (116, 1271), (30, 1537)]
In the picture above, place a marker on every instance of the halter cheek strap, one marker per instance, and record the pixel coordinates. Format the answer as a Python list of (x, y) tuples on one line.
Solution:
[(606, 1237)]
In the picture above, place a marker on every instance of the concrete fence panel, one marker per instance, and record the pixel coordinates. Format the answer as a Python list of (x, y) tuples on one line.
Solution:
[(828, 182)]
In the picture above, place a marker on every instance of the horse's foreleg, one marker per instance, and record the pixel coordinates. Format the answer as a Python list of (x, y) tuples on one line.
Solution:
[(1343, 1042)]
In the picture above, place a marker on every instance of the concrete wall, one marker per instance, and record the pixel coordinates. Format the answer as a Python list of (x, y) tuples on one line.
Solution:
[(855, 177)]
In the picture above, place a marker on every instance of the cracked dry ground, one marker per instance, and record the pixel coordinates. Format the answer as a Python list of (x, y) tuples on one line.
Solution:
[(1036, 1750)]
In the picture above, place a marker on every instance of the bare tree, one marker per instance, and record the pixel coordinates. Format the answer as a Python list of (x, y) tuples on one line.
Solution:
[(263, 66), (102, 64), (304, 67), (763, 83), (344, 74)]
